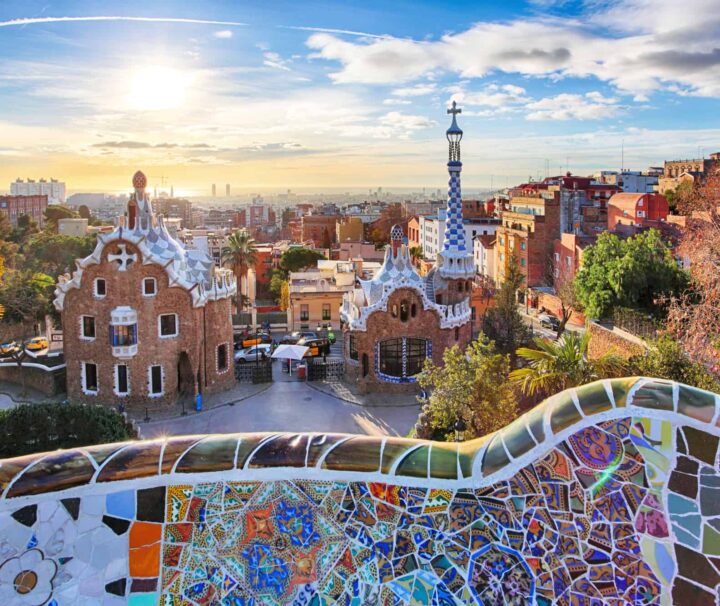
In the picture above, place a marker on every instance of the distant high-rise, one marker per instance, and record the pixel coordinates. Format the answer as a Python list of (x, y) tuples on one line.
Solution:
[(214, 190), (227, 189), (172, 191), (53, 189)]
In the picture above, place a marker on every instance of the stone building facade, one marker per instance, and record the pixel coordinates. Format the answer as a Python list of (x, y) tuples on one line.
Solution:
[(398, 319), (145, 321)]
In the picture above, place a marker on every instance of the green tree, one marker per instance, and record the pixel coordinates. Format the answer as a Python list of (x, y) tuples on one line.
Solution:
[(637, 272), (34, 428), (555, 366), (416, 253), (240, 254), (666, 359), (297, 259), (470, 386), (54, 213), (26, 227), (54, 254), (25, 295), (503, 323)]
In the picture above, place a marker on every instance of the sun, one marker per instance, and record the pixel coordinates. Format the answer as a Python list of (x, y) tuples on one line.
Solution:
[(157, 87)]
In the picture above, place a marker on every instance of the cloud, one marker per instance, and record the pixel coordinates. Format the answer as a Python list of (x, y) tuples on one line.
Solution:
[(591, 106), (41, 20), (637, 46), (414, 91), (396, 101), (328, 30), (143, 145), (224, 34), (501, 98), (275, 61)]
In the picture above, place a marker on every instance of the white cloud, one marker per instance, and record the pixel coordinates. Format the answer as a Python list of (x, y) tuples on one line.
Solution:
[(501, 98), (224, 34), (275, 61), (637, 46), (396, 101), (415, 91), (566, 106)]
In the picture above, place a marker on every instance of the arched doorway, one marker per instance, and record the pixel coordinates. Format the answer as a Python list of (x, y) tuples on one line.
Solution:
[(185, 378)]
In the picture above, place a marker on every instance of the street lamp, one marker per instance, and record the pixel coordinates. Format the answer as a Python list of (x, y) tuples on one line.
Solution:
[(459, 427)]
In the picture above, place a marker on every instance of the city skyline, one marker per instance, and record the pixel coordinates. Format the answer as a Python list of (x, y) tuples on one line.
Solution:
[(328, 96)]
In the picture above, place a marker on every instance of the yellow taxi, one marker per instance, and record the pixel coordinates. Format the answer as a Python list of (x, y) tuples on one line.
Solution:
[(8, 348), (315, 347), (37, 344)]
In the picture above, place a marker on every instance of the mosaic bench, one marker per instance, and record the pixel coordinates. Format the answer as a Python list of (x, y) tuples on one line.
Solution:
[(605, 494)]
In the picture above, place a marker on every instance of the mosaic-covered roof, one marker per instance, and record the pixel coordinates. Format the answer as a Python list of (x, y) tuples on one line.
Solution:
[(193, 270)]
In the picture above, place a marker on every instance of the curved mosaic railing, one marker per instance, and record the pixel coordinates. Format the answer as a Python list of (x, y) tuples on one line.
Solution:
[(609, 493)]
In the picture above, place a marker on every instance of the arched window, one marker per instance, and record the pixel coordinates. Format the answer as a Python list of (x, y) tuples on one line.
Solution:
[(457, 333), (394, 311), (404, 310), (439, 299), (413, 310), (402, 358), (365, 365)]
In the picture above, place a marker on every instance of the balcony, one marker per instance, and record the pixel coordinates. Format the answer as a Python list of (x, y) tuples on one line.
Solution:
[(123, 332)]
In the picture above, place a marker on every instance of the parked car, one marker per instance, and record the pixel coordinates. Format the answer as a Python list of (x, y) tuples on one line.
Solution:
[(294, 337), (261, 351), (548, 321), (316, 346), (7, 348), (37, 344), (244, 341)]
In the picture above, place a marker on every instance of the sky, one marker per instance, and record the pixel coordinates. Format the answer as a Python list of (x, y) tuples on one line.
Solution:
[(313, 95)]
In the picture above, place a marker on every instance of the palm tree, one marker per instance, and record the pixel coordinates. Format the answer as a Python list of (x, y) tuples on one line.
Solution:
[(555, 366), (416, 253), (240, 254)]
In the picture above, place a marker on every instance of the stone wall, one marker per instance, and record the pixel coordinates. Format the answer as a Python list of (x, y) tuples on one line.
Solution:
[(48, 382), (605, 340), (606, 494)]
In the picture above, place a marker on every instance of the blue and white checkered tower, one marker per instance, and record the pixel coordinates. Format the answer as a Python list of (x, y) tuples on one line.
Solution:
[(455, 260)]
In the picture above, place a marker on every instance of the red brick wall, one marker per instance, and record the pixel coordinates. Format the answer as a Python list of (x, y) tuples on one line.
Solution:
[(197, 327), (381, 326)]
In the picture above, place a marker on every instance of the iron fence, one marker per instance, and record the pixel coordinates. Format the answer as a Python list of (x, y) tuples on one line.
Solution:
[(332, 369), (254, 373)]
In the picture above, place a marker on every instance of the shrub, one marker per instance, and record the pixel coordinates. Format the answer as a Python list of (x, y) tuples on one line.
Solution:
[(31, 428)]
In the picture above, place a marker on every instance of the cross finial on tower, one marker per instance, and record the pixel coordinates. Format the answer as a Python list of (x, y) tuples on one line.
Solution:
[(454, 109)]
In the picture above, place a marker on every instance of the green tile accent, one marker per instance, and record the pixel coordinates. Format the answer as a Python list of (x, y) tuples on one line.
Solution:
[(444, 461), (593, 398), (495, 457), (534, 420), (711, 541), (212, 454), (139, 460), (57, 471), (319, 445), (174, 448), (415, 464), (517, 438), (284, 451), (564, 413), (696, 403), (9, 468), (361, 453), (621, 388), (248, 443), (394, 449), (655, 394)]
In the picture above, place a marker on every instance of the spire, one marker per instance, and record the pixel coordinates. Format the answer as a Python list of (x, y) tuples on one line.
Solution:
[(454, 134), (454, 260), (139, 211)]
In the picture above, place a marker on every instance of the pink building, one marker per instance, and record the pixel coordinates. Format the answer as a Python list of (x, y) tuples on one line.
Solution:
[(636, 209)]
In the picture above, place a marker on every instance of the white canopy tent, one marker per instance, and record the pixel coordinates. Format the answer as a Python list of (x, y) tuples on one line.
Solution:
[(290, 352)]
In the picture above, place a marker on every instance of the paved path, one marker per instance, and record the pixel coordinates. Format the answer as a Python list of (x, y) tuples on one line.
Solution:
[(290, 406)]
